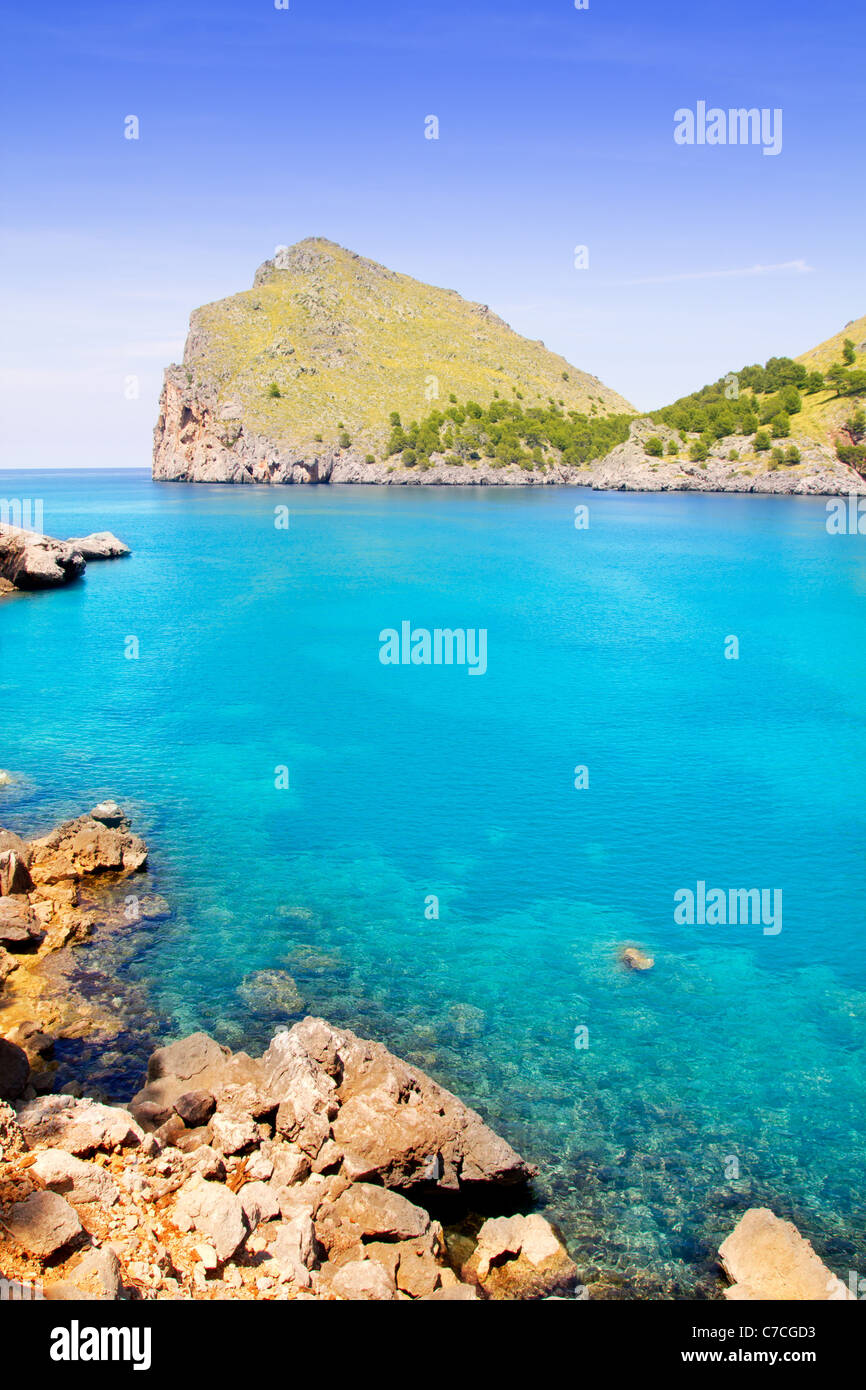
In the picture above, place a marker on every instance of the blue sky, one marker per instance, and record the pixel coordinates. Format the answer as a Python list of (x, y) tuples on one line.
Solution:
[(261, 126)]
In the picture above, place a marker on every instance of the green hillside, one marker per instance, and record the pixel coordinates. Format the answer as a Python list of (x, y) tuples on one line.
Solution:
[(814, 397)]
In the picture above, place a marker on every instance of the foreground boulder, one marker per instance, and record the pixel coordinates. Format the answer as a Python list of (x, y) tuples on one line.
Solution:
[(520, 1257), (767, 1258), (61, 1172), (18, 924), (211, 1208), (43, 1224)]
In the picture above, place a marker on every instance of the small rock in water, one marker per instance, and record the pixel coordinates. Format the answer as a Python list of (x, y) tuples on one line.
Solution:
[(636, 959)]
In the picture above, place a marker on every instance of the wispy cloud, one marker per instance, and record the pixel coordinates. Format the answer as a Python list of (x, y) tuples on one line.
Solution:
[(800, 267)]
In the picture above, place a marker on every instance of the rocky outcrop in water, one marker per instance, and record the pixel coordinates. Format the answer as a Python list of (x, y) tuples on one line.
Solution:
[(305, 1173), (101, 545), (31, 561)]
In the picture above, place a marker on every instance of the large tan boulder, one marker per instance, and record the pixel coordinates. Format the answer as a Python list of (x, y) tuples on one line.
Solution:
[(43, 1224), (14, 864), (767, 1258), (520, 1257)]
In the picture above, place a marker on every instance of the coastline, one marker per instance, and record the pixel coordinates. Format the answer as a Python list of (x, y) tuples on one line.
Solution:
[(198, 454), (328, 1169)]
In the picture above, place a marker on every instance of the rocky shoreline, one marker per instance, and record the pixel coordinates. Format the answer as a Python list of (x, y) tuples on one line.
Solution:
[(325, 1169), (191, 445)]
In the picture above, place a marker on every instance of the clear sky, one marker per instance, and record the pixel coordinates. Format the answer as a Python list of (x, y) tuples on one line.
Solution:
[(261, 126)]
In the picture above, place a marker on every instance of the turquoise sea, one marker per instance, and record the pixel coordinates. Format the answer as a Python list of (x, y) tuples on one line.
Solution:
[(730, 1075)]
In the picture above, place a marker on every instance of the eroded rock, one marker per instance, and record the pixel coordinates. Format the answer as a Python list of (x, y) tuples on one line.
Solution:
[(101, 545), (214, 1210)]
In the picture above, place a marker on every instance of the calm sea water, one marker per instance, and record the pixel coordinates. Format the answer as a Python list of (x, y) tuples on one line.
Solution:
[(733, 1073)]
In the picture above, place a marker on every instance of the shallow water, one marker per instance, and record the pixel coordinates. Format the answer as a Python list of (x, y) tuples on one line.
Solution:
[(259, 648)]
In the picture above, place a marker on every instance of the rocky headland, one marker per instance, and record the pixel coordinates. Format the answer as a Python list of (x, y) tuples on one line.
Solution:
[(327, 1168), (334, 369)]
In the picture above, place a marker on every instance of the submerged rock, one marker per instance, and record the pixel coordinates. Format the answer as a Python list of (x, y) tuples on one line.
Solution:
[(636, 959), (766, 1258), (271, 993)]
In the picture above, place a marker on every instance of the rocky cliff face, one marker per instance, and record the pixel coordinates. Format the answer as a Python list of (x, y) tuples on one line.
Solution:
[(294, 380)]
